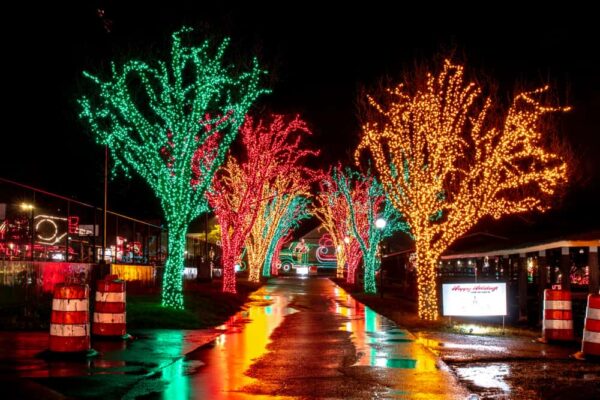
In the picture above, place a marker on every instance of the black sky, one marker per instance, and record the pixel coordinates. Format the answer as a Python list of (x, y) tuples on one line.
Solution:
[(317, 55)]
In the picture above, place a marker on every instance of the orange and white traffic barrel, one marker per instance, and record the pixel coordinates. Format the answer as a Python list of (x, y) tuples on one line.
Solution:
[(109, 310), (590, 345), (69, 322), (558, 316)]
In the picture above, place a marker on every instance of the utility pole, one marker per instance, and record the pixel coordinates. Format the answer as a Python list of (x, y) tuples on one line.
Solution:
[(104, 208)]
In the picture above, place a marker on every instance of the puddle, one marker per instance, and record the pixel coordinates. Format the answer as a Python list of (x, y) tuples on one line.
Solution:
[(378, 341), (488, 376)]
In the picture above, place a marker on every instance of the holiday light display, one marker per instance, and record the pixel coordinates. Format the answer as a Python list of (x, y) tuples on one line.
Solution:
[(446, 162), (275, 260), (284, 221), (367, 203), (331, 209), (172, 123), (241, 189), (280, 195)]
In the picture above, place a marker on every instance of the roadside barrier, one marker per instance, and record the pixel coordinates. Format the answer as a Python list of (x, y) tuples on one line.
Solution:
[(109, 309), (558, 317), (590, 345), (69, 322)]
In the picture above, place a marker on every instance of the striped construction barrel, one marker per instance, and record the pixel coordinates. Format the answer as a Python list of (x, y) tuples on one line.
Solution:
[(109, 310), (590, 345), (69, 322), (558, 317)]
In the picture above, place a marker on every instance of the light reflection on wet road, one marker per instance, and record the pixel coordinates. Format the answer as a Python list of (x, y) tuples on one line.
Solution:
[(220, 370), (221, 364), (378, 341)]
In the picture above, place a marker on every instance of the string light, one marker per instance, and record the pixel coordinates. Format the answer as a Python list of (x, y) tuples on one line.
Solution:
[(331, 209), (281, 195), (446, 162), (272, 167), (367, 202), (282, 215), (163, 131)]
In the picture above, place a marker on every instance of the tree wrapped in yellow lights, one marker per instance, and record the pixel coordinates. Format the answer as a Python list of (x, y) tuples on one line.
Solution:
[(446, 160), (281, 194), (331, 210)]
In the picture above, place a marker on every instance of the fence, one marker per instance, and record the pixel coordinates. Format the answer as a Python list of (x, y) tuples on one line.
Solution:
[(36, 225)]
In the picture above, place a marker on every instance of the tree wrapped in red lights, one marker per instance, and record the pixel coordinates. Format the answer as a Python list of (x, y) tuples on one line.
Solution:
[(172, 123), (331, 208), (240, 189), (371, 216), (353, 254), (447, 160)]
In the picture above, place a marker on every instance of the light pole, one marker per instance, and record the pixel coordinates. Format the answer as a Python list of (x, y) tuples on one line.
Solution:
[(380, 224), (29, 207), (105, 204)]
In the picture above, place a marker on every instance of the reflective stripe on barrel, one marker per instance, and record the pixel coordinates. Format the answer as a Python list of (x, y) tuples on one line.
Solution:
[(69, 321), (110, 318), (558, 317), (590, 344), (109, 311)]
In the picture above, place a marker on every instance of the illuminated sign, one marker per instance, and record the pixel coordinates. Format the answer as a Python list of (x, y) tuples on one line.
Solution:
[(474, 299), (51, 230), (47, 229)]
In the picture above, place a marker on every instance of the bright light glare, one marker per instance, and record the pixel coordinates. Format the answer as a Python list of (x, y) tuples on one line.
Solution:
[(380, 223), (302, 270)]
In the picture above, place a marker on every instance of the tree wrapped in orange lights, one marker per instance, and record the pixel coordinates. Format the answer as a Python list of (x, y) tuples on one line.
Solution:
[(446, 162), (331, 209), (239, 188)]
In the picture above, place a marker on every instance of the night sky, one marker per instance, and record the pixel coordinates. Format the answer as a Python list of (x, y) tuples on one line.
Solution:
[(317, 57)]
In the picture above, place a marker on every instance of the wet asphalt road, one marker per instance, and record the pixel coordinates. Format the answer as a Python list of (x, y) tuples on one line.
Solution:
[(307, 338), (297, 338)]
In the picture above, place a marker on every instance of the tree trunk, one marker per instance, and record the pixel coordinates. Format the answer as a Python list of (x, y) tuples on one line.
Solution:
[(352, 265), (229, 260), (172, 288), (426, 283), (371, 265), (341, 263), (253, 271)]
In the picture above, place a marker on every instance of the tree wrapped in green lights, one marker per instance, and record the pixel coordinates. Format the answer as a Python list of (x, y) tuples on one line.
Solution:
[(172, 123), (372, 218)]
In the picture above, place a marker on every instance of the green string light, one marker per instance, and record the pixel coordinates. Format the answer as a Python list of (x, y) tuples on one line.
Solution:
[(172, 123)]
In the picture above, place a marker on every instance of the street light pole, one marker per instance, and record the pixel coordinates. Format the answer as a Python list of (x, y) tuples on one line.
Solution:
[(24, 207), (380, 223), (105, 203), (380, 274), (32, 233)]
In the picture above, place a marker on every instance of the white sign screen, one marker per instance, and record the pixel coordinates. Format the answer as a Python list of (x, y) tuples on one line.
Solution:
[(474, 299)]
